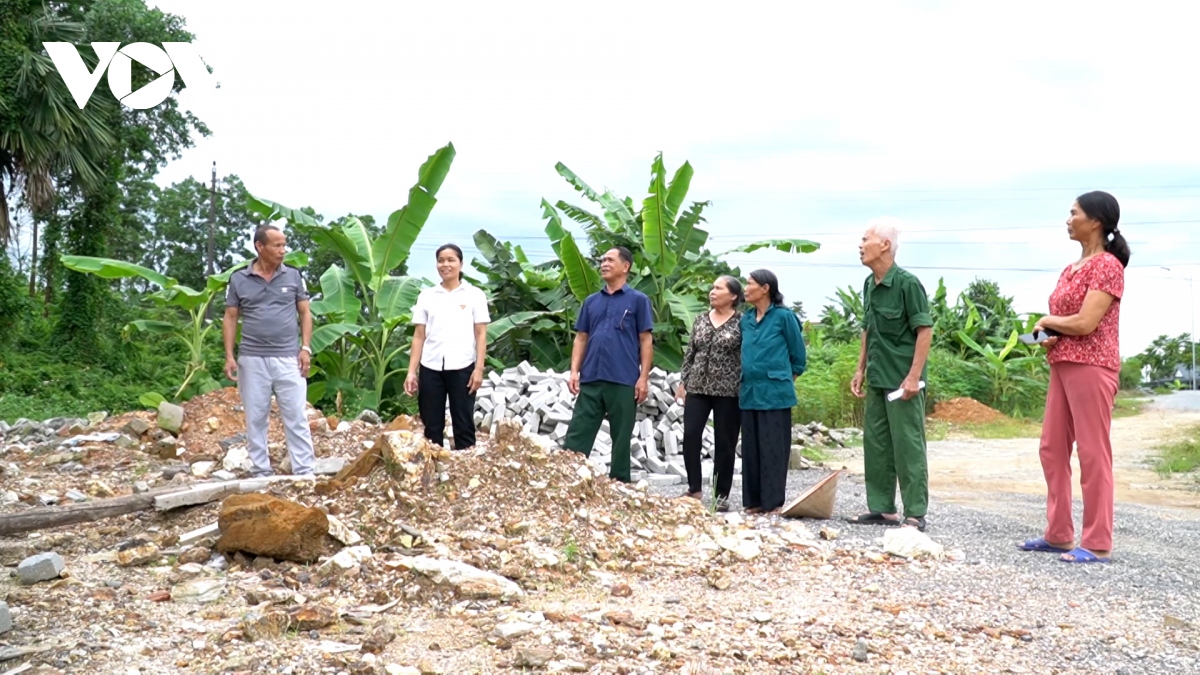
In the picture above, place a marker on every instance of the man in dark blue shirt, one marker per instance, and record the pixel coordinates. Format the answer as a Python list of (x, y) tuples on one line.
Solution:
[(610, 362)]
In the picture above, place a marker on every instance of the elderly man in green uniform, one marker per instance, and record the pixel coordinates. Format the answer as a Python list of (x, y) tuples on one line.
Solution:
[(897, 332)]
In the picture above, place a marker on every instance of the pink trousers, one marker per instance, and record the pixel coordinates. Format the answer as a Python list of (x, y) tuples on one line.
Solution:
[(1079, 408)]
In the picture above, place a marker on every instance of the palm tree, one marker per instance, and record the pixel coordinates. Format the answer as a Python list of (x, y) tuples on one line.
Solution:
[(44, 135)]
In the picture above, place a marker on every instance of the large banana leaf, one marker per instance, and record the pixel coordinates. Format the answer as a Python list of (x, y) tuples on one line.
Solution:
[(678, 189), (577, 182), (689, 238), (685, 307), (338, 300), (547, 353), (582, 277), (397, 295), (490, 248), (433, 172), (328, 334), (657, 222), (107, 268), (404, 226), (501, 327), (589, 220), (155, 327), (619, 215), (554, 227), (785, 245), (273, 210), (356, 233)]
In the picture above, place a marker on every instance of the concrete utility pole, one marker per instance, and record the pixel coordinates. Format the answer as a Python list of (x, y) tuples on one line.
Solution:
[(212, 225)]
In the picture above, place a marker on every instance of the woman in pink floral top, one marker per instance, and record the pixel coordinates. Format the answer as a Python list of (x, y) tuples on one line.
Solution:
[(1085, 363)]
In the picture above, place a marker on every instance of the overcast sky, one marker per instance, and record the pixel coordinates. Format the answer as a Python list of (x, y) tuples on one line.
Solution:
[(975, 125)]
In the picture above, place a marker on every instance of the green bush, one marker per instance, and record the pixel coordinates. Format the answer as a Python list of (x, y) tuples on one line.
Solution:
[(1131, 373), (823, 391), (14, 303)]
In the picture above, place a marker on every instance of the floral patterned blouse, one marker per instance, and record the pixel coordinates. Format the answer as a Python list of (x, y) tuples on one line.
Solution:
[(1101, 348), (712, 365)]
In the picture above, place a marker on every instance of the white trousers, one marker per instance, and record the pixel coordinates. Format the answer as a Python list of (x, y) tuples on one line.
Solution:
[(258, 378)]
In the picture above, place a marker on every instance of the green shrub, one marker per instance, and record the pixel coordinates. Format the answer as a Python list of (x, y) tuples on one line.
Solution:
[(1131, 373), (823, 391)]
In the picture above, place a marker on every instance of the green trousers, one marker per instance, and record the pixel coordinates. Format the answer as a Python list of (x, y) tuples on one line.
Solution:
[(894, 451), (597, 401)]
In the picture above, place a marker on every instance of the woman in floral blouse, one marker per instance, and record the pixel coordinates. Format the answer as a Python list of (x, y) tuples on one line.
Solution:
[(1085, 363), (712, 373)]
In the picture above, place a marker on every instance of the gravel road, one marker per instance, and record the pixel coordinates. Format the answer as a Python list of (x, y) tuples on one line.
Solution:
[(1180, 400), (1138, 614)]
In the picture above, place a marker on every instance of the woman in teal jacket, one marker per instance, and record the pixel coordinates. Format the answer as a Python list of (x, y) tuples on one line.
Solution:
[(772, 358)]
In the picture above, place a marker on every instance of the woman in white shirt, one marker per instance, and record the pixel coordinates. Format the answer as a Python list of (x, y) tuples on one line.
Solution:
[(448, 351)]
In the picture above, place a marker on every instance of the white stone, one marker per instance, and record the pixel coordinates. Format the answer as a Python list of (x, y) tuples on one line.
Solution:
[(350, 557), (513, 630), (909, 542), (238, 458)]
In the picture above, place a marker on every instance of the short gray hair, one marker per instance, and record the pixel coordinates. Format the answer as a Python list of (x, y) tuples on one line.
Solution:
[(885, 228)]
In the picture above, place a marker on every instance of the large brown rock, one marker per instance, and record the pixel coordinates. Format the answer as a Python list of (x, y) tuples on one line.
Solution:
[(269, 526)]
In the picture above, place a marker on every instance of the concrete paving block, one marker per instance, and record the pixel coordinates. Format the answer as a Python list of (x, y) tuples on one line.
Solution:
[(663, 479)]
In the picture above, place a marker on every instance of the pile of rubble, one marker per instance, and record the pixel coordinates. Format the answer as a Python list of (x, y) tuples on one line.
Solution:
[(464, 534), (541, 403)]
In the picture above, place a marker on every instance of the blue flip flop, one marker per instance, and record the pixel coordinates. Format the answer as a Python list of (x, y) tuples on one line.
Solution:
[(1042, 546), (1082, 555)]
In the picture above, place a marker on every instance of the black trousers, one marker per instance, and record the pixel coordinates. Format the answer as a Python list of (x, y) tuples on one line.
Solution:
[(727, 421), (433, 387), (766, 449)]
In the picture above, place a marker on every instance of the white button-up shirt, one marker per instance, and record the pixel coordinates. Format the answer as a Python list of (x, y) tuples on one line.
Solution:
[(449, 318)]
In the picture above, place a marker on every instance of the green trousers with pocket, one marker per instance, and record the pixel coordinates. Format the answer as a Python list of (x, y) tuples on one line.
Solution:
[(598, 401), (894, 451)]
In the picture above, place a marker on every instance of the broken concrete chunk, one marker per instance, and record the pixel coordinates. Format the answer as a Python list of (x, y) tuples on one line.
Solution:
[(170, 417), (41, 567)]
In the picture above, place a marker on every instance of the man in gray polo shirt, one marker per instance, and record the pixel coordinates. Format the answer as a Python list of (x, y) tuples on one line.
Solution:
[(270, 298)]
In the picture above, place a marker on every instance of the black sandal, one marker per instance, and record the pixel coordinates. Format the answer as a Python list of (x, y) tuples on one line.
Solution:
[(872, 519), (917, 522)]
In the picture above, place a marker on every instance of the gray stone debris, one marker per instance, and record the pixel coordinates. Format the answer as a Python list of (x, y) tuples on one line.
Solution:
[(41, 567), (329, 466), (542, 404), (6, 623), (369, 416), (170, 417)]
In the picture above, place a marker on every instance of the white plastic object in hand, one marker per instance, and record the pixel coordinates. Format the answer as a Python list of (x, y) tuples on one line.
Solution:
[(895, 395)]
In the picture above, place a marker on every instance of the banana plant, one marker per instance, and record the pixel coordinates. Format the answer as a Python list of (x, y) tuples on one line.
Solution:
[(366, 310), (671, 263), (1003, 372), (172, 294)]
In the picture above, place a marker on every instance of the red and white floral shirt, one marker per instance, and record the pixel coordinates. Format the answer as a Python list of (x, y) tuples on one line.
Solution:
[(1101, 348)]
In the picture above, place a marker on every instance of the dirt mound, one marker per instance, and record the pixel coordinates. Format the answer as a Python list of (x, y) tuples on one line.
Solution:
[(516, 507), (965, 411)]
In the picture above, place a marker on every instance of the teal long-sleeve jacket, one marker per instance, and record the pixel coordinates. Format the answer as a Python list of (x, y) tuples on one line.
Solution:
[(772, 356)]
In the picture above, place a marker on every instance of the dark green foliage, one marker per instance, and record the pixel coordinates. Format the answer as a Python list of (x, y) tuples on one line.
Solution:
[(1131, 373)]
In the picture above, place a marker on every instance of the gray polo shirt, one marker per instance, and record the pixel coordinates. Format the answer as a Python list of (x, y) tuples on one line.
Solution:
[(270, 321)]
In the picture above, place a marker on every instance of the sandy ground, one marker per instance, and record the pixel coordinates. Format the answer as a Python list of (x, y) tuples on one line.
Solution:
[(964, 469)]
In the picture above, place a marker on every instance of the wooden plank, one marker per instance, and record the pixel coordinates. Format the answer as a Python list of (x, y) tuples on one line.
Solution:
[(44, 517)]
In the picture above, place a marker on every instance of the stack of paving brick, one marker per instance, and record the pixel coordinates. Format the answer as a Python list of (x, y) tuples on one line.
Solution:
[(542, 403)]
